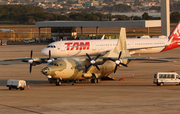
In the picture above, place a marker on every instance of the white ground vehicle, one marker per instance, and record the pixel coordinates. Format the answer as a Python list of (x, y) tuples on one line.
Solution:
[(29, 41), (161, 78), (26, 41), (17, 84)]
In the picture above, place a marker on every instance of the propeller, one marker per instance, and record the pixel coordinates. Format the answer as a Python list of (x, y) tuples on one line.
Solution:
[(31, 61), (118, 62), (92, 62)]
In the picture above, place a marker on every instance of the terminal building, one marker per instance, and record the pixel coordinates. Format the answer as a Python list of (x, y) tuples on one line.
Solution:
[(66, 29)]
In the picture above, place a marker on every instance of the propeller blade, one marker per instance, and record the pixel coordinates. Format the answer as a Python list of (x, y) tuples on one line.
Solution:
[(97, 57), (119, 55), (124, 64), (111, 59), (115, 68), (31, 54), (31, 61), (30, 68), (96, 66), (88, 56), (87, 67)]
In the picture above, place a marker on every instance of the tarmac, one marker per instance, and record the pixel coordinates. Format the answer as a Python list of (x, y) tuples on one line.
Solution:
[(135, 93)]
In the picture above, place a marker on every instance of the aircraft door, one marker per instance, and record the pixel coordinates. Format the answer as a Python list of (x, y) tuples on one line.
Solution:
[(131, 45), (93, 46), (65, 50)]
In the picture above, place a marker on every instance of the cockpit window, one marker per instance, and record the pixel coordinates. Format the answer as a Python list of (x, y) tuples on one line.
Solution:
[(51, 46), (55, 64)]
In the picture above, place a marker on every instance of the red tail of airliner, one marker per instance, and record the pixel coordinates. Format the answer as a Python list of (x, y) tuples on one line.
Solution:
[(174, 38)]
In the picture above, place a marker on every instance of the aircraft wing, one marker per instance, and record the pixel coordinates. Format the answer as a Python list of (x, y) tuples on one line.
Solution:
[(17, 59), (42, 59), (137, 59), (45, 59), (132, 49), (130, 58), (35, 60), (148, 59)]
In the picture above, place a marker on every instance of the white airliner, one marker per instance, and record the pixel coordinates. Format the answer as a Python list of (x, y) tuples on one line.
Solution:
[(6, 30), (95, 47)]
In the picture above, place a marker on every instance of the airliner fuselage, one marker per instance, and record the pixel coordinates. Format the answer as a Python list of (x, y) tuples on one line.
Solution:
[(95, 47)]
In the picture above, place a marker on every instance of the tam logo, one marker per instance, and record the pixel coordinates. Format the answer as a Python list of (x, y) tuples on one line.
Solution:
[(77, 45), (177, 30)]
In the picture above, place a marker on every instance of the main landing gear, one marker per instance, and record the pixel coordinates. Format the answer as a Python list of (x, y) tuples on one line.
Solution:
[(58, 82), (96, 80)]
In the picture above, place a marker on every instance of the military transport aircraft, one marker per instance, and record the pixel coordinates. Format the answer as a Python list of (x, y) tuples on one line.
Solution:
[(96, 47), (79, 68)]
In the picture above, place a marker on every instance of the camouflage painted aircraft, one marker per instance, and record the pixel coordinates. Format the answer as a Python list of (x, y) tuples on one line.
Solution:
[(79, 68)]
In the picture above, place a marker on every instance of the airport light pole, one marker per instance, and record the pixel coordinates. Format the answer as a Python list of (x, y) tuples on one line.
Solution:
[(165, 18), (31, 33)]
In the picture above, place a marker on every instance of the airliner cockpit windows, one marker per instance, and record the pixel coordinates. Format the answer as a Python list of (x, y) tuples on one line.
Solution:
[(51, 46)]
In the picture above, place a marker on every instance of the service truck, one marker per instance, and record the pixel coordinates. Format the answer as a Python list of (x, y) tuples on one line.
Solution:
[(17, 84)]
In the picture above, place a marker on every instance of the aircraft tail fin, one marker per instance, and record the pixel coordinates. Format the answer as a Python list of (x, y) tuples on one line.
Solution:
[(174, 38), (176, 32), (121, 46)]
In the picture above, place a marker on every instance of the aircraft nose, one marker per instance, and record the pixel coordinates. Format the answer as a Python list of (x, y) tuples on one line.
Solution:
[(45, 51), (46, 70)]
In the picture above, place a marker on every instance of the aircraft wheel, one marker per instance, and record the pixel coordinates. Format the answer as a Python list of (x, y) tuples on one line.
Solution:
[(98, 80), (10, 88), (75, 81), (58, 83), (161, 84), (21, 88), (93, 81)]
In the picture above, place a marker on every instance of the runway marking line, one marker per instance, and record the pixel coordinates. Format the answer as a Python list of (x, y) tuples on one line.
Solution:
[(21, 109)]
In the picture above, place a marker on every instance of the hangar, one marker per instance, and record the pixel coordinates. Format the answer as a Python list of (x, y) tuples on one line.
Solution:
[(59, 29)]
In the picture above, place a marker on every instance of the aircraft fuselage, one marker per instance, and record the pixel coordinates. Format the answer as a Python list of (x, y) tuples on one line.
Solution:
[(70, 69)]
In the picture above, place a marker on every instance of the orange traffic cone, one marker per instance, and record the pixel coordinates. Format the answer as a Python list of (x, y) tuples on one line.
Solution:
[(28, 87), (132, 75)]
